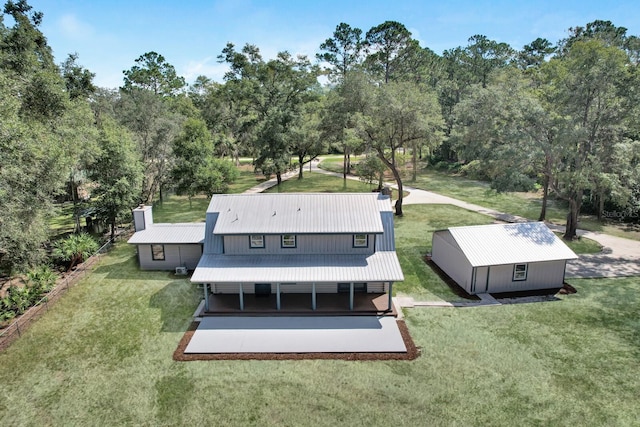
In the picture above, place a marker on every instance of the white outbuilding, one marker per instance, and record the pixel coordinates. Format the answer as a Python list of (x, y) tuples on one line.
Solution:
[(502, 257)]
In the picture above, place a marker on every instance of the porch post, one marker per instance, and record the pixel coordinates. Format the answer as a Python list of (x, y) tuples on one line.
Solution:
[(390, 296), (241, 298), (351, 296), (278, 296), (206, 297), (313, 296)]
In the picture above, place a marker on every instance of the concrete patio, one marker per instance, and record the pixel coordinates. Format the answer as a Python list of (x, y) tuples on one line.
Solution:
[(304, 334)]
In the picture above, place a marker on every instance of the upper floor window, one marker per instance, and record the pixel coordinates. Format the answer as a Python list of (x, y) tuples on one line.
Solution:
[(256, 241), (288, 240), (519, 272), (157, 252), (360, 240)]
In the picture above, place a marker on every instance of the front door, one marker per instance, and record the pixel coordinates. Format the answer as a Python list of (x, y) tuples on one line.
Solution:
[(263, 289)]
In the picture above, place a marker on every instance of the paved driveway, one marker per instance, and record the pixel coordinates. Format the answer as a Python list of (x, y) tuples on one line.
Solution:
[(310, 334)]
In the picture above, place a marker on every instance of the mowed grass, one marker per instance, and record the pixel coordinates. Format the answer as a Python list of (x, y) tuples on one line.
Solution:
[(313, 182), (103, 356)]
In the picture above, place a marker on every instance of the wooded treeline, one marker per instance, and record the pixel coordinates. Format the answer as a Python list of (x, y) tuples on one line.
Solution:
[(560, 117)]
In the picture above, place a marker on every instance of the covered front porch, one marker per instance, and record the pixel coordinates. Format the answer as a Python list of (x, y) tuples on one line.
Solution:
[(298, 304)]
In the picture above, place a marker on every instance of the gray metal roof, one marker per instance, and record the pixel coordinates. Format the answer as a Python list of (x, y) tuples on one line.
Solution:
[(377, 267), (180, 233), (299, 213), (499, 244)]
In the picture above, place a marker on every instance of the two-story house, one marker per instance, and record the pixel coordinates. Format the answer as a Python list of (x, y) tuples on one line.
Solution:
[(276, 244)]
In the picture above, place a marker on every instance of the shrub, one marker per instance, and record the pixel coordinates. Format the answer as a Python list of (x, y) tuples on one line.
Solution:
[(74, 249)]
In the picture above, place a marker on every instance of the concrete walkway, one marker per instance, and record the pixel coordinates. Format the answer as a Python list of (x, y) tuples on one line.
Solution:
[(619, 258)]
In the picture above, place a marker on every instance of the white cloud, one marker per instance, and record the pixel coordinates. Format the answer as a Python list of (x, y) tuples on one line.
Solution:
[(73, 28), (206, 67)]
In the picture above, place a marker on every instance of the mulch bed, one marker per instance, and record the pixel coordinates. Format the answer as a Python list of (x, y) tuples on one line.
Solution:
[(412, 351)]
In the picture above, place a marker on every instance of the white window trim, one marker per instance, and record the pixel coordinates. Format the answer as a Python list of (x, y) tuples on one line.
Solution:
[(289, 246), (366, 240), (520, 276), (253, 245)]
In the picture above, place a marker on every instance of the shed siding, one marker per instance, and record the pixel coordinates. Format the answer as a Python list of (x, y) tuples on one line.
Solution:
[(174, 256), (540, 275), (451, 260), (294, 288), (305, 244)]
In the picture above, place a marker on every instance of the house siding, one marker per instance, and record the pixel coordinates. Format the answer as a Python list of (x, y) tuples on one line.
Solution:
[(305, 244), (387, 240), (213, 244), (451, 260), (293, 288), (186, 255)]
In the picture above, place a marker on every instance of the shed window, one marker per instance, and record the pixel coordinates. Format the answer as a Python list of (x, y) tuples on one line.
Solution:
[(360, 240), (288, 240), (256, 241), (157, 252), (519, 272)]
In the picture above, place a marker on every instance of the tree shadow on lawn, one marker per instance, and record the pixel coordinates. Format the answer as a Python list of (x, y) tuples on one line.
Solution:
[(177, 301), (129, 270)]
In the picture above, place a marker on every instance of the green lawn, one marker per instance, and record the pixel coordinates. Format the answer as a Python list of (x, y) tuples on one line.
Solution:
[(313, 182), (102, 356)]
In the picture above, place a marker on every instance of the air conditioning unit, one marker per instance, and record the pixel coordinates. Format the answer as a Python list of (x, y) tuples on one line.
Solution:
[(181, 270)]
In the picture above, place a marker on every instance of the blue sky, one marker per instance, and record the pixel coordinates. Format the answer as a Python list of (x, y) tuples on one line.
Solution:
[(190, 34)]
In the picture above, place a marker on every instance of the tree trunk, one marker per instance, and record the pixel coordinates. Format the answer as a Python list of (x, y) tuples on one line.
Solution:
[(600, 204), (572, 218), (414, 160), (300, 166), (545, 196), (279, 177), (113, 228), (344, 163)]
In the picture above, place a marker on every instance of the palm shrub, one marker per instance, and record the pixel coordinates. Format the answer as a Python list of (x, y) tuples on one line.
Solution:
[(42, 279), (74, 249)]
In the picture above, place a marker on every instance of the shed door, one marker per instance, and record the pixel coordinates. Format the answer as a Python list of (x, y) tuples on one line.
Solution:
[(481, 279)]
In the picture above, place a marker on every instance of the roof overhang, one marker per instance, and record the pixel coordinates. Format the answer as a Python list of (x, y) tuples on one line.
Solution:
[(377, 267)]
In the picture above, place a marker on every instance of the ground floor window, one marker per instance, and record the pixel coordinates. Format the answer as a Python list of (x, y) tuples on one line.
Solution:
[(157, 252), (262, 289), (519, 272), (357, 287)]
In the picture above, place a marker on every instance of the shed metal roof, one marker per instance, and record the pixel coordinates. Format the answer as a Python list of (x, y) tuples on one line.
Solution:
[(377, 267), (181, 233), (499, 244), (299, 213)]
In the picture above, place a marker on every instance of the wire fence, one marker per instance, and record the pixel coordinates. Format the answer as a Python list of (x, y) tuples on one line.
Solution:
[(20, 324)]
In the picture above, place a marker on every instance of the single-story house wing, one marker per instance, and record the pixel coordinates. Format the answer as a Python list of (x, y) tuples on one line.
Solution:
[(502, 257), (166, 246)]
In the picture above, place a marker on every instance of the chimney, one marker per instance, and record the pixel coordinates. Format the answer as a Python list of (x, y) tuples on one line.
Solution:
[(142, 217)]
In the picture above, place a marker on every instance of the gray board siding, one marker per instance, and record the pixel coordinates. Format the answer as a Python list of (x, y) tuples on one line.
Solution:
[(305, 243), (174, 256)]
